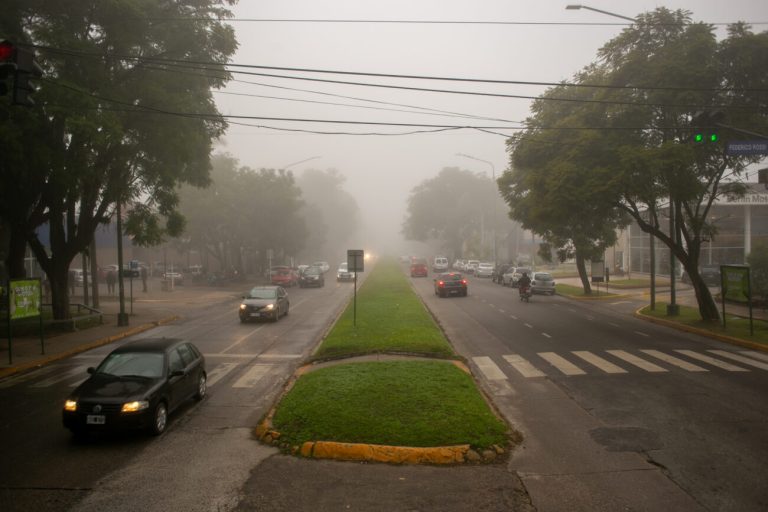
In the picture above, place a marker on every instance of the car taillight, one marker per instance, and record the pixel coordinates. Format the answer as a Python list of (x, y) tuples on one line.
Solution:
[(440, 284), (463, 281)]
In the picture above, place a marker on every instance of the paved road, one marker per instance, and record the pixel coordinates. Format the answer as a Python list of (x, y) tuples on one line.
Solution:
[(617, 413)]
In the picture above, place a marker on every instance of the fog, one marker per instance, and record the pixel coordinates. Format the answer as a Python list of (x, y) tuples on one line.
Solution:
[(541, 42)]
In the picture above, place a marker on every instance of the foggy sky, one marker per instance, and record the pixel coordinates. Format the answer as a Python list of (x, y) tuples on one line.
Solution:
[(382, 170)]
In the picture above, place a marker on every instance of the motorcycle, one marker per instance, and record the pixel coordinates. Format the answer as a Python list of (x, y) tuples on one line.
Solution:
[(525, 293)]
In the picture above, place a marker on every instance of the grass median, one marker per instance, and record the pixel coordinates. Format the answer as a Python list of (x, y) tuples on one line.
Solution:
[(417, 403)]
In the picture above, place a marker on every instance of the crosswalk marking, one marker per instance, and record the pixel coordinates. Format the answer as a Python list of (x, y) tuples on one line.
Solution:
[(220, 371), (19, 379), (525, 368), (674, 361), (711, 360), (637, 361), (741, 359), (252, 376), (606, 366), (561, 364), (757, 355), (488, 368), (79, 370)]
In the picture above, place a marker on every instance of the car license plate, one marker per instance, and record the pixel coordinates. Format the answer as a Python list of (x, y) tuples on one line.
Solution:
[(256, 314), (95, 419)]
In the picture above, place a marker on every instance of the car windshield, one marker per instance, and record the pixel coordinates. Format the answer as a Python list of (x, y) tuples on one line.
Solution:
[(343, 267), (262, 293), (134, 364), (451, 277)]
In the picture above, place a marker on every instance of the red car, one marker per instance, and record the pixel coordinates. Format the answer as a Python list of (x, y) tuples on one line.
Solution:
[(283, 276), (418, 267)]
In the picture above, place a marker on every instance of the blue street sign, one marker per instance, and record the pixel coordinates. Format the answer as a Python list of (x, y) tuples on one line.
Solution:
[(747, 147)]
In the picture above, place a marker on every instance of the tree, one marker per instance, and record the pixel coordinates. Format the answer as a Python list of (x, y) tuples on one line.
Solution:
[(102, 133), (452, 208), (639, 112)]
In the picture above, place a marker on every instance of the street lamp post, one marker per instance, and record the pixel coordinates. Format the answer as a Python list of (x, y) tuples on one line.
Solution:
[(579, 6), (493, 206)]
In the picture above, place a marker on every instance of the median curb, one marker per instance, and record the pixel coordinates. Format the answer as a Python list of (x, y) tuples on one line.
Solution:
[(701, 332)]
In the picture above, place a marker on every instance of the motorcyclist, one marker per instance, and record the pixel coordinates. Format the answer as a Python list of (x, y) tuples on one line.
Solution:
[(524, 283)]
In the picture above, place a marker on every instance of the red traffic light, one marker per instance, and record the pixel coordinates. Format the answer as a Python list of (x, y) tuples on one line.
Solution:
[(7, 51)]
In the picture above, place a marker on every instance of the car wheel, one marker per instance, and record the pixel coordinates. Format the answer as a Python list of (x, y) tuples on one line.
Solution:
[(159, 419), (287, 307), (202, 387), (276, 317)]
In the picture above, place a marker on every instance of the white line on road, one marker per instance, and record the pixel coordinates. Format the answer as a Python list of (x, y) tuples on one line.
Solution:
[(561, 364), (252, 376), (637, 361), (642, 334), (243, 338), (78, 370), (741, 359), (12, 381), (606, 366), (711, 360), (674, 361), (613, 324), (220, 371), (545, 334), (513, 317), (525, 368), (758, 355), (502, 311), (489, 368), (528, 326)]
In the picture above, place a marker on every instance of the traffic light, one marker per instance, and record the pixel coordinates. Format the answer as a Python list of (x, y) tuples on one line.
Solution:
[(706, 125), (19, 62)]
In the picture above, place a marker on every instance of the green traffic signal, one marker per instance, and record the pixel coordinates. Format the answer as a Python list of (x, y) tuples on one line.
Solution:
[(698, 137), (713, 137), (710, 137)]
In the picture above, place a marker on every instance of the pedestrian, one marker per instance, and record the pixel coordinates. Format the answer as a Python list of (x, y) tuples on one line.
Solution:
[(144, 279), (111, 280)]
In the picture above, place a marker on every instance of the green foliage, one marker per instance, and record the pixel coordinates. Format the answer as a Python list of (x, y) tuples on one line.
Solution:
[(758, 262), (390, 318), (403, 403)]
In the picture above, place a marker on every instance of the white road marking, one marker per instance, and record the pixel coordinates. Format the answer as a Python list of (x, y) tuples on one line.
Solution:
[(711, 360), (79, 370), (513, 317), (755, 354), (12, 381), (620, 302), (561, 364), (252, 376), (642, 334), (674, 361), (606, 366), (502, 311), (489, 368), (741, 359), (613, 324), (220, 371), (545, 334), (525, 368), (637, 361), (590, 318), (528, 326), (243, 338)]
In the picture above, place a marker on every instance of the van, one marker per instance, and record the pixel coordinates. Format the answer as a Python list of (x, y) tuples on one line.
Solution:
[(440, 264)]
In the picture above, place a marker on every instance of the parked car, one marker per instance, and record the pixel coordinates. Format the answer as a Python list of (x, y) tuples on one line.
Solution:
[(264, 302), (136, 387), (498, 272), (458, 264), (513, 274), (484, 269), (176, 277), (470, 266), (542, 282), (450, 283), (440, 264), (283, 276), (343, 273), (312, 276), (419, 267)]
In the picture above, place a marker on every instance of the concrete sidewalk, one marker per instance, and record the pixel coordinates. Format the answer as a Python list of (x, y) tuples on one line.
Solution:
[(149, 309)]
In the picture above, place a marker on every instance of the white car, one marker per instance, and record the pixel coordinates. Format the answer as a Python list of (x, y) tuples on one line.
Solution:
[(323, 265), (471, 266), (343, 273), (440, 264), (484, 269)]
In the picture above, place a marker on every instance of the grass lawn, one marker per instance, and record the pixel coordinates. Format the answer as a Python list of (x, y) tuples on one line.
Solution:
[(403, 403), (390, 318), (736, 327), (578, 291)]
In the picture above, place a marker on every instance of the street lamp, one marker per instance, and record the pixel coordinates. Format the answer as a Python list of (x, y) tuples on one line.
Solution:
[(579, 6), (285, 167), (493, 176)]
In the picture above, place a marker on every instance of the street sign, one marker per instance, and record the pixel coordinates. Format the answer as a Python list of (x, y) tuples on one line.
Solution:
[(25, 298), (747, 147), (355, 260)]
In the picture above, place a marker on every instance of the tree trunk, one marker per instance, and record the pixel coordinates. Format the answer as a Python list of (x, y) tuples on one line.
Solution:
[(581, 266), (16, 251), (707, 306)]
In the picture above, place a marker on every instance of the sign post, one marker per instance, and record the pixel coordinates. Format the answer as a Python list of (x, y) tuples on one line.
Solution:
[(355, 263), (25, 299), (735, 284)]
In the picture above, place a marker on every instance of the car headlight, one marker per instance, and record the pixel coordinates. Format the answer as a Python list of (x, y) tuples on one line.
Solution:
[(269, 307), (138, 405), (70, 405), (243, 306)]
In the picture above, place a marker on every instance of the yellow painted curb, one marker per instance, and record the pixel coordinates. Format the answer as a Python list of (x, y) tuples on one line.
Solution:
[(382, 453), (701, 332)]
